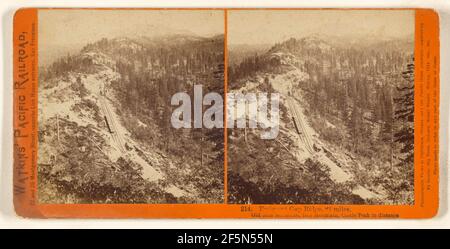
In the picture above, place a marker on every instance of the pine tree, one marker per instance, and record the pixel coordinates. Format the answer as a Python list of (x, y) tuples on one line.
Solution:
[(355, 126), (404, 114)]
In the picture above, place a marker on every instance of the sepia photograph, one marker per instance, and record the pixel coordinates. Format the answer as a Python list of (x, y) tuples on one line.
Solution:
[(346, 110), (106, 79)]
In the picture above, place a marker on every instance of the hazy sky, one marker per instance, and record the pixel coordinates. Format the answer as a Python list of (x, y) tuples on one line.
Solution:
[(271, 26), (62, 31)]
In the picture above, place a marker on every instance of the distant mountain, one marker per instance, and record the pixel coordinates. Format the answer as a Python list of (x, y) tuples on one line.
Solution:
[(173, 41), (327, 43), (238, 52), (170, 38)]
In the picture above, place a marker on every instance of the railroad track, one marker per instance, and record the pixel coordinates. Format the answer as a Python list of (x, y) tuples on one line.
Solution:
[(111, 122), (299, 123)]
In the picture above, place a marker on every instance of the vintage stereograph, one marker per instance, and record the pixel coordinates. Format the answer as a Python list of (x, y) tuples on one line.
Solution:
[(226, 113)]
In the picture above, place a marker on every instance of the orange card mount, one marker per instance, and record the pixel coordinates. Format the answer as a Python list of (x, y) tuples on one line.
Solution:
[(219, 113)]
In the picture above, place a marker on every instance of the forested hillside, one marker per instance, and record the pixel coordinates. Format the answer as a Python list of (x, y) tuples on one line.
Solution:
[(105, 135), (357, 99)]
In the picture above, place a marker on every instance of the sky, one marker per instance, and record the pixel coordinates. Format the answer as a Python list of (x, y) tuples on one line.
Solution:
[(272, 26), (66, 31)]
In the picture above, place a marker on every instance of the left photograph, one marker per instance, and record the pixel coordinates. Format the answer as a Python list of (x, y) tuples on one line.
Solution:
[(106, 81)]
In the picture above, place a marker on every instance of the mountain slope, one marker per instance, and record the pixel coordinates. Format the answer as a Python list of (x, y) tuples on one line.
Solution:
[(96, 146), (340, 96)]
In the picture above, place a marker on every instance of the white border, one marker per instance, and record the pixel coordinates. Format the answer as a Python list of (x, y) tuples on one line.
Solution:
[(8, 219)]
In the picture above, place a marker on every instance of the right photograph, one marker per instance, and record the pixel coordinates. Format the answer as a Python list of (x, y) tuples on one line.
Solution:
[(345, 115)]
